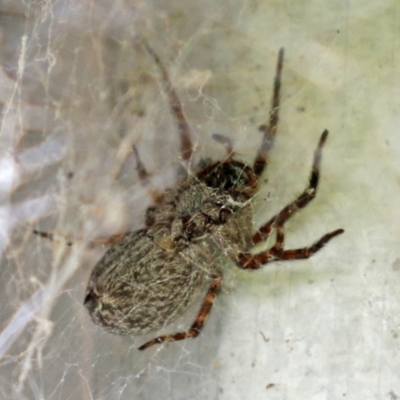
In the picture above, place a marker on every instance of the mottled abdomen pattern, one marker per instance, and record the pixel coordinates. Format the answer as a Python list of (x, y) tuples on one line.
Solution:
[(138, 287)]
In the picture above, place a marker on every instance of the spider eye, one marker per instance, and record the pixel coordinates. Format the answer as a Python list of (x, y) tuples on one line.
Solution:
[(227, 176)]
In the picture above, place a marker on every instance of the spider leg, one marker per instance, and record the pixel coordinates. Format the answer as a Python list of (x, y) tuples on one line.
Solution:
[(140, 168), (250, 261), (198, 324), (93, 243), (47, 235), (270, 129), (227, 142), (176, 106), (144, 177), (292, 208), (100, 242), (256, 261)]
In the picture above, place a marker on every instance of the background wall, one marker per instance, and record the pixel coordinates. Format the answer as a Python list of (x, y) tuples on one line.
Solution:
[(76, 93)]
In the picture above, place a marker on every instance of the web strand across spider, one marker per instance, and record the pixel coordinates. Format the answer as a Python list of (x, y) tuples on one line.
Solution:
[(149, 277)]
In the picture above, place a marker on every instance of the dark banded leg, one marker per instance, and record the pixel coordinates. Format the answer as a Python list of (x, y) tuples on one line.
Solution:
[(255, 261), (144, 177), (176, 106), (308, 194), (49, 236), (270, 129), (94, 243), (140, 168), (198, 324)]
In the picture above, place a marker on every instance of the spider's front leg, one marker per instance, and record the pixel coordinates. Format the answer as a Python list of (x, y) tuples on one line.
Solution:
[(250, 261), (175, 105), (295, 206)]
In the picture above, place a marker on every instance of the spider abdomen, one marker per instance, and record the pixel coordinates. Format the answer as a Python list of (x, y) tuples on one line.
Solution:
[(138, 287)]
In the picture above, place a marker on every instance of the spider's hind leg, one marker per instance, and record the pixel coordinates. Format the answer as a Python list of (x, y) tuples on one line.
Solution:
[(48, 235), (93, 243), (270, 129), (99, 242), (198, 324), (140, 168), (144, 176)]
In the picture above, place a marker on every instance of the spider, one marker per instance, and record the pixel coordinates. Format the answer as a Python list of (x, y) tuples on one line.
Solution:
[(148, 277)]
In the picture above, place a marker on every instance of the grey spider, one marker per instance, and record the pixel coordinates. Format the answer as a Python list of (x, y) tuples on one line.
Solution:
[(149, 277)]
